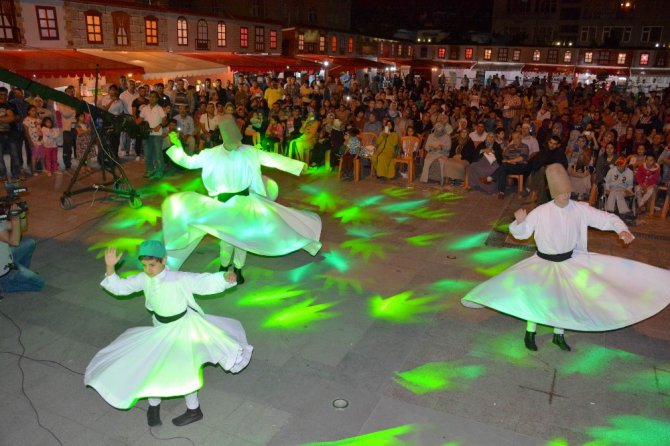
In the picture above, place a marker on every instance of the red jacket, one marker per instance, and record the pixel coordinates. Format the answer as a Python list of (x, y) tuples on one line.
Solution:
[(647, 177)]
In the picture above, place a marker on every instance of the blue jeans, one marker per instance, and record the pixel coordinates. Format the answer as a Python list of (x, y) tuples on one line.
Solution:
[(8, 145), (22, 278), (153, 154)]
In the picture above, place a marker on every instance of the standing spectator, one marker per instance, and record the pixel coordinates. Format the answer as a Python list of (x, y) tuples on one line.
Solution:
[(32, 127), (21, 111), (352, 149), (50, 135), (68, 122), (274, 93), (8, 136), (127, 98), (84, 140), (153, 114)]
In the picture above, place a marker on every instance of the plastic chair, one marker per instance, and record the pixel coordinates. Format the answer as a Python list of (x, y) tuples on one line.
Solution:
[(409, 146), (519, 181), (666, 203)]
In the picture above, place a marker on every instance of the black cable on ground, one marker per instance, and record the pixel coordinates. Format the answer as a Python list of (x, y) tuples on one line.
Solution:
[(151, 431)]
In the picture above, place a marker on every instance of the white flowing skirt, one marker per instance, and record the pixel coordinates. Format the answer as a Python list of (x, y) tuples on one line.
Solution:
[(166, 359), (252, 223), (588, 292)]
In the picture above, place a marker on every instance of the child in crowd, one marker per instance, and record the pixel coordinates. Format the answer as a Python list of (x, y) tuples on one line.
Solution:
[(32, 125), (50, 135), (84, 132), (618, 185), (646, 177), (352, 148), (274, 134), (256, 122), (165, 360)]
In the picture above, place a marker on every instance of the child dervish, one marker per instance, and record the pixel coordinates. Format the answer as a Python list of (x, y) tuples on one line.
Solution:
[(565, 286), (166, 360)]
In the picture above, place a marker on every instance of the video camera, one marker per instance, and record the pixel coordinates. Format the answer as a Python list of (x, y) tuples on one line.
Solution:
[(14, 190)]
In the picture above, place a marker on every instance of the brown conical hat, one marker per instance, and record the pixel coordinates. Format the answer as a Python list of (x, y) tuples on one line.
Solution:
[(558, 180), (230, 133)]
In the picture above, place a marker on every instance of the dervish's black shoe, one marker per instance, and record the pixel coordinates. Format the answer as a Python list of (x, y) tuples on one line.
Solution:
[(240, 277), (559, 340), (224, 268), (154, 416), (529, 341), (188, 417)]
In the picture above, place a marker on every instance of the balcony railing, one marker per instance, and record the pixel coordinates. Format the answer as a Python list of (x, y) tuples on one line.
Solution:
[(202, 44)]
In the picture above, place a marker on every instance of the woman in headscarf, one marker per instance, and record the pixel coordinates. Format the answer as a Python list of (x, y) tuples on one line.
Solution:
[(437, 149), (386, 147)]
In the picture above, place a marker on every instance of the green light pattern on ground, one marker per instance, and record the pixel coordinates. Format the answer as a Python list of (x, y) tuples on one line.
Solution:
[(468, 242), (557, 442), (298, 274), (632, 430), (402, 308), (354, 214), (269, 296), (162, 189), (398, 192), (365, 231), (507, 347), (342, 283), (430, 214), (594, 360), (299, 316), (388, 437), (453, 286), (403, 206), (401, 219), (317, 172), (368, 201), (127, 217), (652, 382), (366, 248), (423, 239), (336, 260), (325, 201), (447, 196), (438, 376)]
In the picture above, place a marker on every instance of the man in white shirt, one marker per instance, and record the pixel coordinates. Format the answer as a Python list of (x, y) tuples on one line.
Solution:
[(186, 128), (529, 140), (209, 128), (153, 114), (479, 134)]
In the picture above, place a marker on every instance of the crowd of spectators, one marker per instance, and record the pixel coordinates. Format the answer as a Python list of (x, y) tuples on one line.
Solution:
[(475, 136)]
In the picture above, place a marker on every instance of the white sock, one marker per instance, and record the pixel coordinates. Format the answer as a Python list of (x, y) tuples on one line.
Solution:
[(558, 331), (531, 326), (154, 401), (192, 400)]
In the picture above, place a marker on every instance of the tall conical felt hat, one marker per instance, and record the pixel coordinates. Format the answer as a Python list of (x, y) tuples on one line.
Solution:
[(558, 180), (230, 133)]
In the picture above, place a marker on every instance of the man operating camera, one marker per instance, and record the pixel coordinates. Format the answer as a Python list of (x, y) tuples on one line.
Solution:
[(16, 254)]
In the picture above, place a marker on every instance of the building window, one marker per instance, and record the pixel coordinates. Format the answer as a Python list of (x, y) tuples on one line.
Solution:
[(410, 50), (536, 55), (502, 54), (311, 16), (257, 8), (121, 25), (588, 34), (423, 52), (221, 34), (621, 59), (603, 57), (244, 37), (552, 56), (661, 59), (588, 57), (487, 54), (322, 44), (333, 44), (259, 41), (350, 45), (93, 26), (454, 50), (301, 41), (651, 34), (151, 30), (202, 36), (516, 55), (441, 53), (182, 31), (273, 40), (342, 46), (567, 57), (46, 22), (644, 59), (468, 53), (8, 29)]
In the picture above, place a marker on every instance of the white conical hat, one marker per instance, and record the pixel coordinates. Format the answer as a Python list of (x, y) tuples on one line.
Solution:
[(558, 180)]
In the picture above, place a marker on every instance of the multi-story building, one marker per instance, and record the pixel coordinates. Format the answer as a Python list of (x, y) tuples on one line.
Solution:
[(606, 23)]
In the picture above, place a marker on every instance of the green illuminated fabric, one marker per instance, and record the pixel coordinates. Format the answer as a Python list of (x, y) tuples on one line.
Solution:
[(588, 292), (253, 222), (166, 359)]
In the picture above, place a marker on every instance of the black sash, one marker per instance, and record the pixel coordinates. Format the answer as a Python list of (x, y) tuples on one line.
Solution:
[(555, 257), (168, 319), (228, 195)]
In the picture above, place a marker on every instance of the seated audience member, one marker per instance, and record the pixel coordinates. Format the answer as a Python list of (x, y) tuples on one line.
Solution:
[(462, 153), (386, 148), (580, 174), (186, 129), (637, 159), (274, 135), (489, 158), (15, 256), (618, 186), (646, 177), (514, 162), (438, 146), (373, 125)]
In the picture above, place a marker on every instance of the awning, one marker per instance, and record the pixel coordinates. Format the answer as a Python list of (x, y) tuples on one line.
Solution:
[(600, 70), (255, 63), (162, 64), (463, 64), (639, 71), (495, 66), (63, 63), (547, 68), (343, 63)]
